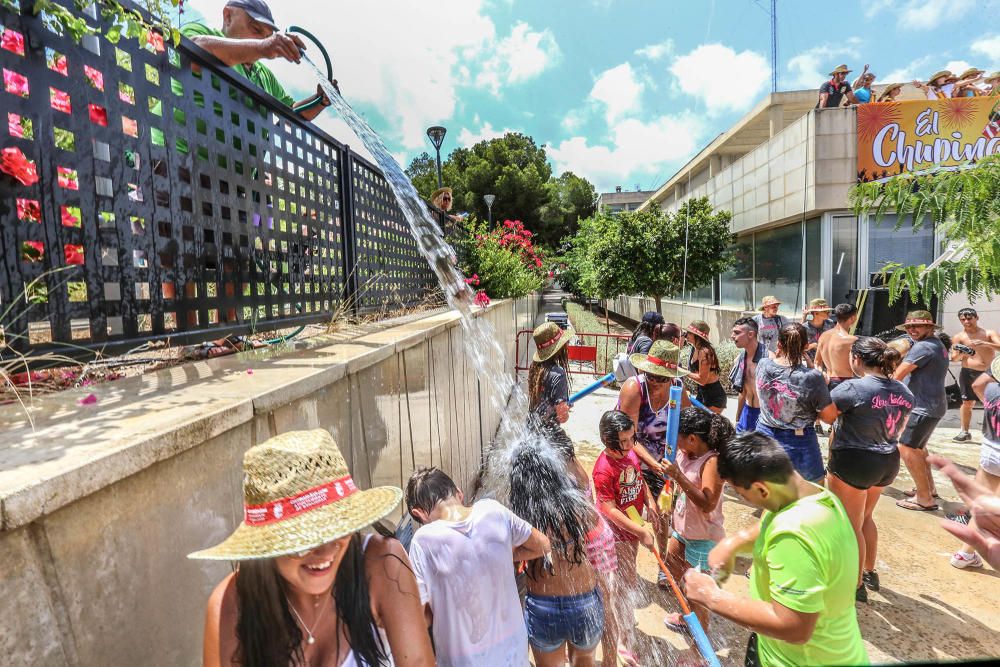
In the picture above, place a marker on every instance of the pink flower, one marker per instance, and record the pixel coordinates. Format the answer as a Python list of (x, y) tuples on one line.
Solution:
[(14, 83), (12, 41), (14, 162), (73, 254), (481, 299), (60, 100), (68, 178), (538, 263), (509, 224), (70, 216), (89, 399), (154, 40), (94, 76)]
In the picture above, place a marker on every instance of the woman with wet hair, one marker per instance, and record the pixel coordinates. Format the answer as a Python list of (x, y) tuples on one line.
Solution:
[(697, 517), (872, 410), (548, 383), (792, 397), (705, 368)]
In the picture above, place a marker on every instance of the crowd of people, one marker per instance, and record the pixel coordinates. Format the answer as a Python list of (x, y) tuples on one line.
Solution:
[(973, 82)]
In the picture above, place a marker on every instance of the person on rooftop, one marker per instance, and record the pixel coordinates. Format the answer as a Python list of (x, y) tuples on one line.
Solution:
[(938, 86), (832, 92), (863, 87), (249, 34), (992, 84), (891, 92), (969, 87)]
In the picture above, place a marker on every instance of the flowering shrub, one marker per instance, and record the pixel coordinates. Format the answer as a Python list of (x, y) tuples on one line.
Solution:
[(503, 262)]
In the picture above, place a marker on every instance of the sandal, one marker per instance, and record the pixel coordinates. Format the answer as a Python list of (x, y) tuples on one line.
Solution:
[(908, 504), (909, 493), (675, 622)]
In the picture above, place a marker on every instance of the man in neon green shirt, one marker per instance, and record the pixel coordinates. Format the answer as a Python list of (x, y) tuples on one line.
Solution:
[(249, 34), (805, 564)]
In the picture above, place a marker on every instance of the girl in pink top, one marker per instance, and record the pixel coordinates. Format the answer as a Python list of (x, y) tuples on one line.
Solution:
[(697, 516)]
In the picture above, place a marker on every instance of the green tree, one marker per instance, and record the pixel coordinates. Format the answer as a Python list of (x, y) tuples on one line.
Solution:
[(964, 206), (643, 252), (422, 172), (570, 199)]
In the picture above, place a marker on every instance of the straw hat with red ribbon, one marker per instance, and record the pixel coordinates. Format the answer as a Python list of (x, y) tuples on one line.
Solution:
[(918, 317), (297, 495), (699, 329), (549, 339), (662, 360)]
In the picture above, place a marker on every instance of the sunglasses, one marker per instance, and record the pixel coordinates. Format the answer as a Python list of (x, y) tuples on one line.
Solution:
[(445, 198), (658, 379)]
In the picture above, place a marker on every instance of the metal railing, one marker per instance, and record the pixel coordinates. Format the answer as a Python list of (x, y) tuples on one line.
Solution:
[(176, 200)]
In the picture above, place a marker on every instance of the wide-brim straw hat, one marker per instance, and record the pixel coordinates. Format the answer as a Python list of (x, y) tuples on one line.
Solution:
[(440, 191), (549, 339), (938, 75), (662, 359), (298, 495), (993, 76), (891, 87), (841, 69), (995, 368), (818, 306), (769, 301), (699, 328), (919, 317), (972, 71)]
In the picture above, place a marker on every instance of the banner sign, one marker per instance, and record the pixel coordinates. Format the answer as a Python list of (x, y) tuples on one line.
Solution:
[(917, 135)]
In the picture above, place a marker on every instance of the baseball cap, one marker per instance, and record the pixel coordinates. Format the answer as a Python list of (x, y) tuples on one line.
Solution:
[(257, 9)]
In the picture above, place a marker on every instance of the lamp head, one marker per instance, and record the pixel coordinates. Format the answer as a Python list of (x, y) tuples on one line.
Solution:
[(436, 135), (489, 199)]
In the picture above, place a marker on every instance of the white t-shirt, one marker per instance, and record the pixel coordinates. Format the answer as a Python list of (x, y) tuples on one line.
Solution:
[(465, 570)]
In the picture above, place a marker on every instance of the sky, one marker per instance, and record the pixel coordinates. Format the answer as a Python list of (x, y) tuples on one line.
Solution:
[(622, 92)]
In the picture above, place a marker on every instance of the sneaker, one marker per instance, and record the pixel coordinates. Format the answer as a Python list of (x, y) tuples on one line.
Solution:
[(963, 436), (962, 518), (870, 580), (962, 560), (861, 595)]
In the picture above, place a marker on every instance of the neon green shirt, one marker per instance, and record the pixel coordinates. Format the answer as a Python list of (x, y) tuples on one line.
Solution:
[(259, 74), (806, 559)]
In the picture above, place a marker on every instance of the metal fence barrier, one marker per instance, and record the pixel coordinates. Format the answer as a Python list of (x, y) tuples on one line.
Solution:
[(175, 199)]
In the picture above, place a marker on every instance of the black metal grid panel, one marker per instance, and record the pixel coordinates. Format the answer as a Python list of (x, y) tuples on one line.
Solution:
[(176, 199), (390, 269)]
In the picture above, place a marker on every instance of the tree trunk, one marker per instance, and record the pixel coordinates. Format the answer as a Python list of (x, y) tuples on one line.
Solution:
[(659, 306)]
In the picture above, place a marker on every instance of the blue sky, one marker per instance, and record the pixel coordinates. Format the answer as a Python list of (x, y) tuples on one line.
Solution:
[(620, 91)]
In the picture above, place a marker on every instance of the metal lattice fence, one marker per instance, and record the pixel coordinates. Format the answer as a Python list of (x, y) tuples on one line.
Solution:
[(175, 199)]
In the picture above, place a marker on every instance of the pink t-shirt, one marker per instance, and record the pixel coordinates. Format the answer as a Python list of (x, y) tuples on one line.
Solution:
[(689, 521), (620, 482)]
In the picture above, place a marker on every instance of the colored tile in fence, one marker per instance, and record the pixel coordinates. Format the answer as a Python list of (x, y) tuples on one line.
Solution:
[(19, 126), (11, 40), (98, 115), (15, 83), (94, 77), (56, 61), (28, 210), (60, 100)]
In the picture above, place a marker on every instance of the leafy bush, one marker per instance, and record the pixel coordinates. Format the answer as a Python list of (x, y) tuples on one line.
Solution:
[(502, 262)]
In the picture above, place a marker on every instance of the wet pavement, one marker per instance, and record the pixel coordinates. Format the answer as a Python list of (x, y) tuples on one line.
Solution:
[(926, 609)]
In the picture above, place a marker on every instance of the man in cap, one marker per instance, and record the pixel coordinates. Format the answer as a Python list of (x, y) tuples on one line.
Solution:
[(769, 323), (832, 92), (817, 320), (984, 343), (923, 370), (249, 34)]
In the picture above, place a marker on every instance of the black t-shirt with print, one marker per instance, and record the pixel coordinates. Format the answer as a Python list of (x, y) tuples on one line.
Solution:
[(835, 93)]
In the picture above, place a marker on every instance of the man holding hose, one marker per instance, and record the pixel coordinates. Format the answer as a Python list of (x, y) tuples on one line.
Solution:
[(249, 34)]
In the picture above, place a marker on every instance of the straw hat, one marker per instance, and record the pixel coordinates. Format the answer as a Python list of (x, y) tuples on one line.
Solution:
[(888, 89), (972, 71), (995, 368), (661, 360), (297, 495), (938, 75), (994, 76), (440, 191), (818, 306), (549, 339), (841, 69), (769, 301), (700, 329), (919, 317)]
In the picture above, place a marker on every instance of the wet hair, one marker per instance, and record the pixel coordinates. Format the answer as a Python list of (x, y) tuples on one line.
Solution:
[(845, 311), (538, 371), (792, 339), (748, 322), (546, 495), (715, 430), (968, 311), (713, 357), (427, 487), (754, 457), (874, 353), (614, 423), (268, 633), (945, 339)]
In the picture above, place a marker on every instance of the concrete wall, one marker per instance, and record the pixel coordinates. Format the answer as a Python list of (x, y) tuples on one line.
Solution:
[(101, 503), (719, 318)]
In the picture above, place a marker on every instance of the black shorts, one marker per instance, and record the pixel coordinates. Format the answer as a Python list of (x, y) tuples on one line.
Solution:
[(835, 381), (653, 481), (918, 431), (965, 379), (712, 395), (862, 468)]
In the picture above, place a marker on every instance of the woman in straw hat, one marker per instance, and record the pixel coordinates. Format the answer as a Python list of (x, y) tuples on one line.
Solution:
[(992, 82), (891, 92), (309, 589), (548, 381), (645, 399), (704, 368), (937, 87)]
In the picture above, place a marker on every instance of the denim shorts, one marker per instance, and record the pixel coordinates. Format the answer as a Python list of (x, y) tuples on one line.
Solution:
[(554, 620), (803, 450)]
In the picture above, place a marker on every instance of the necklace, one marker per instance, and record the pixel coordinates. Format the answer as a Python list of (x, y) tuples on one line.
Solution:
[(311, 640)]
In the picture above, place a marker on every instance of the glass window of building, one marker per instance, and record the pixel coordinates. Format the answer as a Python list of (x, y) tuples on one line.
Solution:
[(845, 257), (886, 244), (737, 283), (813, 259), (778, 265)]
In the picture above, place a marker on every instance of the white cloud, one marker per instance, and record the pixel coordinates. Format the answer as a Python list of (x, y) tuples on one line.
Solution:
[(635, 147), (921, 14), (619, 91), (519, 57), (810, 68), (656, 51), (919, 69), (987, 47), (467, 137), (723, 79)]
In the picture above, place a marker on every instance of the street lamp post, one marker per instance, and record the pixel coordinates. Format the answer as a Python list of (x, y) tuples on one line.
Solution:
[(436, 135), (489, 199)]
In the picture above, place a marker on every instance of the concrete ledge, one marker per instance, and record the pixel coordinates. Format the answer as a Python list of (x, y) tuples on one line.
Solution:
[(56, 451)]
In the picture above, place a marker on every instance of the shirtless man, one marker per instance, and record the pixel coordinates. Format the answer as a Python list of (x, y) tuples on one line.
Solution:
[(833, 353), (986, 343), (744, 372)]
